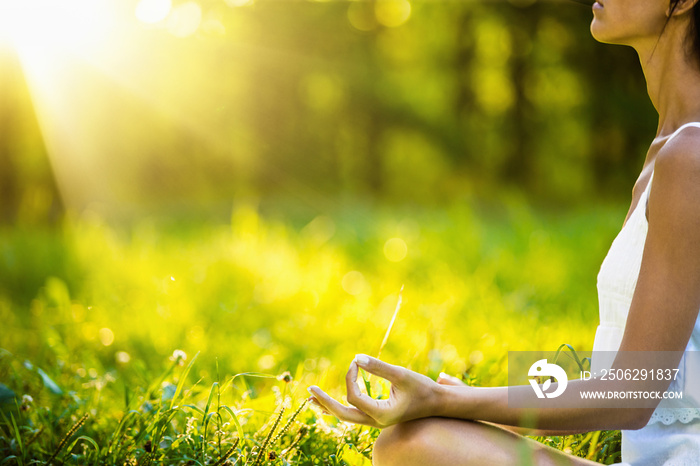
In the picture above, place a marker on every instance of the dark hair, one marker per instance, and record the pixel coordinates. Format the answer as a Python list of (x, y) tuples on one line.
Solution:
[(693, 36)]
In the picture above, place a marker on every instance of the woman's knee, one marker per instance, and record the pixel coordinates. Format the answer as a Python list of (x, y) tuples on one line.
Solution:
[(396, 444), (417, 442), (435, 441)]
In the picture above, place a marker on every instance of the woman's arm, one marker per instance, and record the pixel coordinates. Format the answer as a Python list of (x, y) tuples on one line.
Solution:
[(661, 319), (448, 380), (415, 396), (662, 314), (667, 296)]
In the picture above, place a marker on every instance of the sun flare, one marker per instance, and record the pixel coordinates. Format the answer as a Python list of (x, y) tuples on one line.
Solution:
[(43, 26), (52, 40)]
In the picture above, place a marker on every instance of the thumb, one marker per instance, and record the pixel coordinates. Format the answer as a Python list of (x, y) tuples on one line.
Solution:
[(444, 379)]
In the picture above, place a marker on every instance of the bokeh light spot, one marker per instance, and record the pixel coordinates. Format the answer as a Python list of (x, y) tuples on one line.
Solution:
[(152, 11), (122, 357), (321, 92), (310, 365), (266, 362), (214, 27), (361, 17), (185, 19), (354, 283), (319, 230), (195, 334), (235, 3), (392, 13), (106, 336), (476, 356), (395, 249)]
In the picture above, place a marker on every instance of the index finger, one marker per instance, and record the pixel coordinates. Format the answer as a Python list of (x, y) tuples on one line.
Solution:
[(342, 412)]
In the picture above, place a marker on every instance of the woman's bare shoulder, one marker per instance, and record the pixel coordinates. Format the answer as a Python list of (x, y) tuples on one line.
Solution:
[(674, 199), (680, 155), (677, 168)]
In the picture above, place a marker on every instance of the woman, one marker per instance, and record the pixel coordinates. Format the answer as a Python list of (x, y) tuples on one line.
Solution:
[(649, 292)]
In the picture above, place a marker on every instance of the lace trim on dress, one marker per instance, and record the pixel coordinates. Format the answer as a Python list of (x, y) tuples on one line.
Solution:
[(668, 416)]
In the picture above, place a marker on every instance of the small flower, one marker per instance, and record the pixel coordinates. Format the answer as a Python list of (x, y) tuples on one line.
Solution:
[(27, 401), (191, 425), (179, 357)]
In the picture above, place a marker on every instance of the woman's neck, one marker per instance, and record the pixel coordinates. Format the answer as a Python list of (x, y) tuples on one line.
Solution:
[(673, 79)]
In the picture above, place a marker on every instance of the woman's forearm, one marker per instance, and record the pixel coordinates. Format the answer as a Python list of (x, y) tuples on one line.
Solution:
[(566, 414)]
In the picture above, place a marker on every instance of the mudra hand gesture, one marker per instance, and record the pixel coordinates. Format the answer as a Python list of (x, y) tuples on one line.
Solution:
[(412, 395)]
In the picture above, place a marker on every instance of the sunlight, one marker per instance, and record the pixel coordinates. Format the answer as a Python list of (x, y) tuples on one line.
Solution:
[(54, 41), (91, 65), (89, 62), (152, 11), (41, 26)]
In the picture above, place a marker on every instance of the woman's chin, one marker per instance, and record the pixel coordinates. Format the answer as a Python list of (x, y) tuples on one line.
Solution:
[(598, 33)]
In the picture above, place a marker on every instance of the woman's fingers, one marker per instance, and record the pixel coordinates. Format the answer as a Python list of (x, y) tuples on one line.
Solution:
[(365, 409), (351, 387), (315, 402), (342, 412), (355, 397), (384, 370)]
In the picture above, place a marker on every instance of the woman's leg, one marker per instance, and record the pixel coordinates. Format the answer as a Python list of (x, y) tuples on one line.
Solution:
[(453, 442)]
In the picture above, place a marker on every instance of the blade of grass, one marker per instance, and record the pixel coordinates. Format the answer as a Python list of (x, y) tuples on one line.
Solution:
[(183, 378), (302, 432), (211, 397), (229, 453), (289, 422), (391, 323), (86, 439), (366, 377), (578, 360), (206, 417), (235, 420), (263, 447), (18, 438), (593, 448), (120, 427), (67, 437)]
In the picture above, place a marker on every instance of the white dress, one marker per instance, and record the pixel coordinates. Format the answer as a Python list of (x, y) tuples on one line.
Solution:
[(672, 436)]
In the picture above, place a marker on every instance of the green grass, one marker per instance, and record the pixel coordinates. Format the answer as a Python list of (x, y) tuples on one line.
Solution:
[(271, 303)]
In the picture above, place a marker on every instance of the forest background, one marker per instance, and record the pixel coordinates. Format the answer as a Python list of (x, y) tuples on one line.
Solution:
[(256, 180)]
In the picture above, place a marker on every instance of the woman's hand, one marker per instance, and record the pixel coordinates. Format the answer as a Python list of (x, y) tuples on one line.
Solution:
[(412, 396)]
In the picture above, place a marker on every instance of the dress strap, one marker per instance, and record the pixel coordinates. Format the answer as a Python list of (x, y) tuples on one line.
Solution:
[(648, 188), (694, 124)]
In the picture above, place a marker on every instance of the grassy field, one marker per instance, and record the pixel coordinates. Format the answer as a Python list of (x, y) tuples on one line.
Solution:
[(171, 342)]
